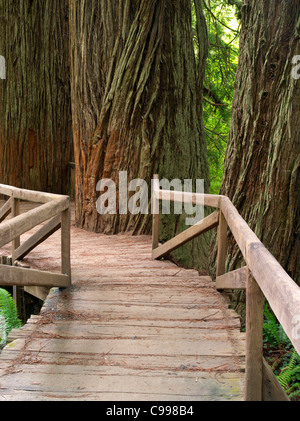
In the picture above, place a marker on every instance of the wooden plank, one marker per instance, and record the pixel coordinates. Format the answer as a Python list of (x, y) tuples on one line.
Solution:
[(254, 340), (206, 323), (176, 363), (11, 275), (150, 312), (201, 227), (127, 307), (133, 272), (222, 245), (79, 395), (157, 281), (73, 330), (41, 235), (39, 292), (236, 279), (93, 330), (272, 390), (130, 295), (23, 223), (5, 210), (130, 346), (155, 223), (211, 200), (281, 292), (117, 380)]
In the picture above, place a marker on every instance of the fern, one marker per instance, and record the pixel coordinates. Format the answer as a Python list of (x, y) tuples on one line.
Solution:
[(286, 366), (290, 374), (2, 332), (9, 311), (294, 393), (274, 334)]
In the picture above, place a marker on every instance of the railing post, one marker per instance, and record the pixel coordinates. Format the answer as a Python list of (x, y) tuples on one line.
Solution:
[(155, 210), (66, 243), (254, 340), (222, 245), (15, 211)]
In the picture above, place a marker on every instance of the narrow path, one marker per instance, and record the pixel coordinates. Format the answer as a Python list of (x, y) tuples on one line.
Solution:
[(129, 328)]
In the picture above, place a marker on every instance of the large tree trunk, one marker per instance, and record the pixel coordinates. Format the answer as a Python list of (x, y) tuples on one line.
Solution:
[(136, 101), (262, 166), (35, 107)]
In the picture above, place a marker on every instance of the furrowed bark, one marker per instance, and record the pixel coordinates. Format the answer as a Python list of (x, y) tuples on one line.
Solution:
[(262, 165), (35, 107), (136, 101)]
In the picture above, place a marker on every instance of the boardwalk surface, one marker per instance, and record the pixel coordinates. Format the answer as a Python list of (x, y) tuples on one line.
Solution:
[(129, 328)]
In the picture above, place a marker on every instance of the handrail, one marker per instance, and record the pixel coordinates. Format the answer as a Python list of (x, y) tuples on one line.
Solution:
[(280, 290), (20, 224), (262, 277), (29, 195), (53, 207)]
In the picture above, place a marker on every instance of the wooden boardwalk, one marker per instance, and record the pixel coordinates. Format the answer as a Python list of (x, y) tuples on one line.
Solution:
[(130, 328)]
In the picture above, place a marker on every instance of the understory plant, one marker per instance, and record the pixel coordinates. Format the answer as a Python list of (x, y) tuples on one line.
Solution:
[(9, 318), (280, 353)]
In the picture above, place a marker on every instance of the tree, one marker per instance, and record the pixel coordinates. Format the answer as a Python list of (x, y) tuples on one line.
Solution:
[(223, 33), (262, 164), (136, 101), (35, 106)]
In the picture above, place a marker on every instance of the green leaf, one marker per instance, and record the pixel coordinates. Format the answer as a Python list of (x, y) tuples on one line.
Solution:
[(9, 310)]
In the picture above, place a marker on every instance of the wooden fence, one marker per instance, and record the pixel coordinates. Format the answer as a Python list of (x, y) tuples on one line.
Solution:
[(262, 278), (54, 208)]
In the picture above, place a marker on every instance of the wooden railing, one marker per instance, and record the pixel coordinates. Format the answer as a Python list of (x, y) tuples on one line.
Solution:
[(54, 208), (262, 277)]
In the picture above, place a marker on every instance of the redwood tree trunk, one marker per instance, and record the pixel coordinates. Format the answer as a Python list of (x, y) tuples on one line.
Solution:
[(35, 107), (262, 166), (136, 101)]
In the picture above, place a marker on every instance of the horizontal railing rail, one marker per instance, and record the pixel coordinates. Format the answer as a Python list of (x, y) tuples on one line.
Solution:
[(262, 278), (52, 208)]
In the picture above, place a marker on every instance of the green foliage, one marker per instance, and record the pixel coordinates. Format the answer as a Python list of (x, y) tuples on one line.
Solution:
[(280, 352), (2, 332), (289, 377), (274, 335), (223, 33), (9, 311)]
